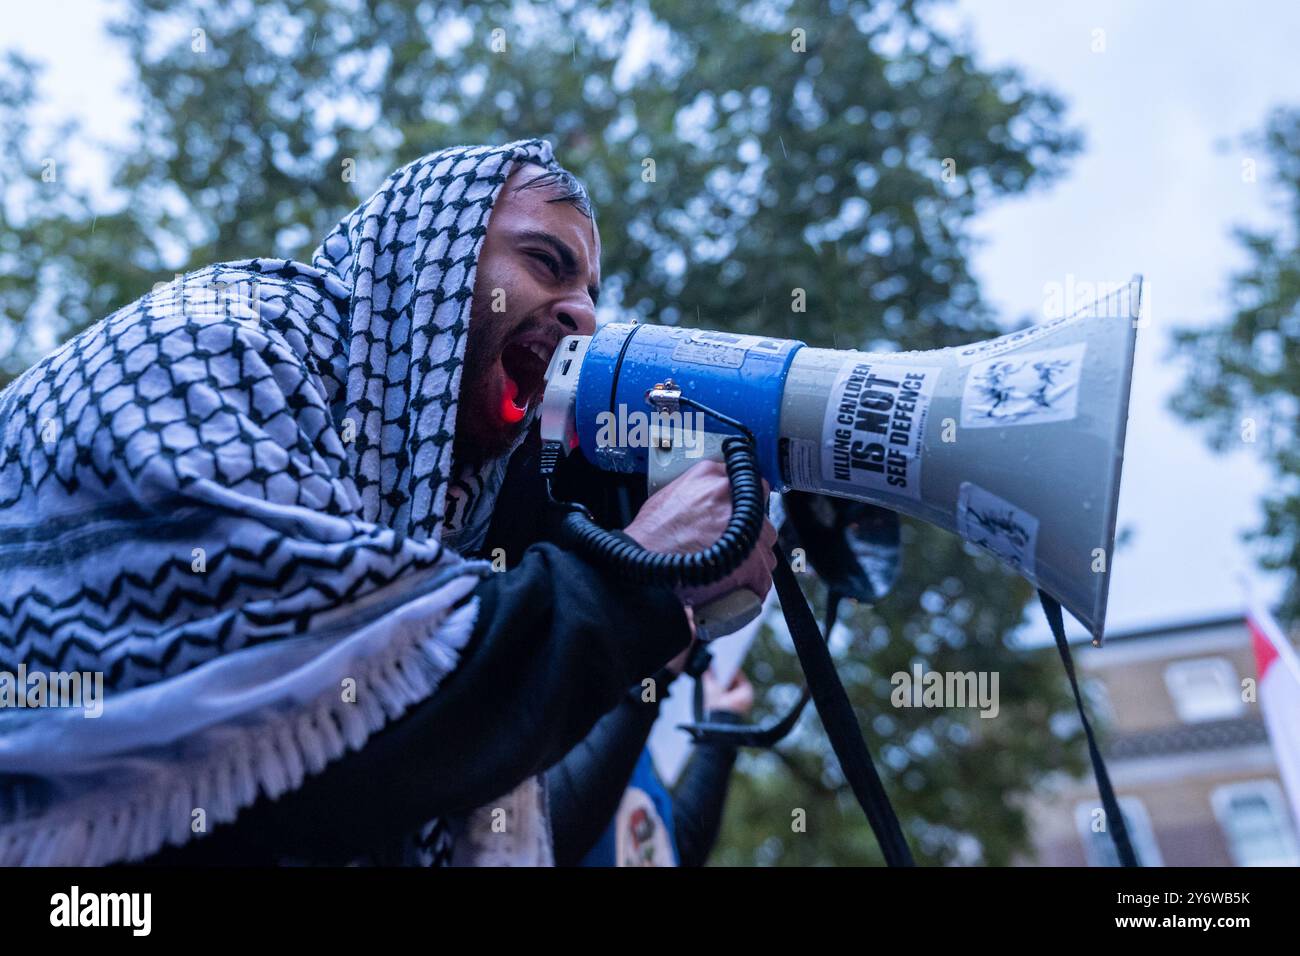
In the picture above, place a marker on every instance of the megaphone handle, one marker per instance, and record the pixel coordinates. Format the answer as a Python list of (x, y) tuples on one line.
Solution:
[(729, 613), (726, 615)]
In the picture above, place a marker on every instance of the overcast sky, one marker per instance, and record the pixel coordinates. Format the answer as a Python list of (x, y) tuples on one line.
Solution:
[(1153, 192)]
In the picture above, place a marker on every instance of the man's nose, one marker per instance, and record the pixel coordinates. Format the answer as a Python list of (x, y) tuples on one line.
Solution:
[(577, 316)]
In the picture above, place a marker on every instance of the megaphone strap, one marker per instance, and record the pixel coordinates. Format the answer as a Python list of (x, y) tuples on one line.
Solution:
[(837, 716), (1114, 818)]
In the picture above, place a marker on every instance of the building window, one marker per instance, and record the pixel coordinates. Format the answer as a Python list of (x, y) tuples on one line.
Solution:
[(1099, 849), (1257, 823), (1205, 689)]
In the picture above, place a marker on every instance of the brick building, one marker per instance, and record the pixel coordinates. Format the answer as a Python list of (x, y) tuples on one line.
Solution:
[(1187, 751)]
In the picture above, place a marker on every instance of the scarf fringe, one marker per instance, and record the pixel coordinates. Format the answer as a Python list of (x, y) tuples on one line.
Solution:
[(272, 755)]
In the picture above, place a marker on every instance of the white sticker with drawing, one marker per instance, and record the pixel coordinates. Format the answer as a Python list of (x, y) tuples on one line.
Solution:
[(1028, 389), (998, 526)]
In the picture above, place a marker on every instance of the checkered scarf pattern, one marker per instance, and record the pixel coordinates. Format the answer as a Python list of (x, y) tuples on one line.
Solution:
[(228, 499)]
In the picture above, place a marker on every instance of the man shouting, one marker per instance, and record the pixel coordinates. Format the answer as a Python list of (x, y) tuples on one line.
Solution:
[(256, 504)]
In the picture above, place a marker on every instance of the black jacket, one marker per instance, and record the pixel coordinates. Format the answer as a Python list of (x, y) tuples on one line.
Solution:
[(585, 788), (556, 644)]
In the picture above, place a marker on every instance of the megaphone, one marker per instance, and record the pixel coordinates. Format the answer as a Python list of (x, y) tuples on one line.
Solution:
[(1015, 443)]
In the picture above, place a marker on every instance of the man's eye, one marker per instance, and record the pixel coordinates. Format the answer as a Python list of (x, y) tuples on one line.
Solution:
[(547, 261)]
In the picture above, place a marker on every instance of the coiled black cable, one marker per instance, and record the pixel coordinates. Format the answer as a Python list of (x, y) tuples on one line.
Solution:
[(580, 532)]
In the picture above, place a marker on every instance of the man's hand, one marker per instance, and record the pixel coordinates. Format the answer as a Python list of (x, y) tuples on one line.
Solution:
[(690, 514), (737, 697)]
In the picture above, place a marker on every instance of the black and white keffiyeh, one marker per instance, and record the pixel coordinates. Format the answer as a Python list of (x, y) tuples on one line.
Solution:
[(228, 499)]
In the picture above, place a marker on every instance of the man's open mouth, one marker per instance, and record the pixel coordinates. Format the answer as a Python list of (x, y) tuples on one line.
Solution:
[(524, 362)]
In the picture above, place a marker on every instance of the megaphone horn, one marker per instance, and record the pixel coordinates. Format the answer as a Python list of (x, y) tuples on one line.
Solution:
[(1015, 443)]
